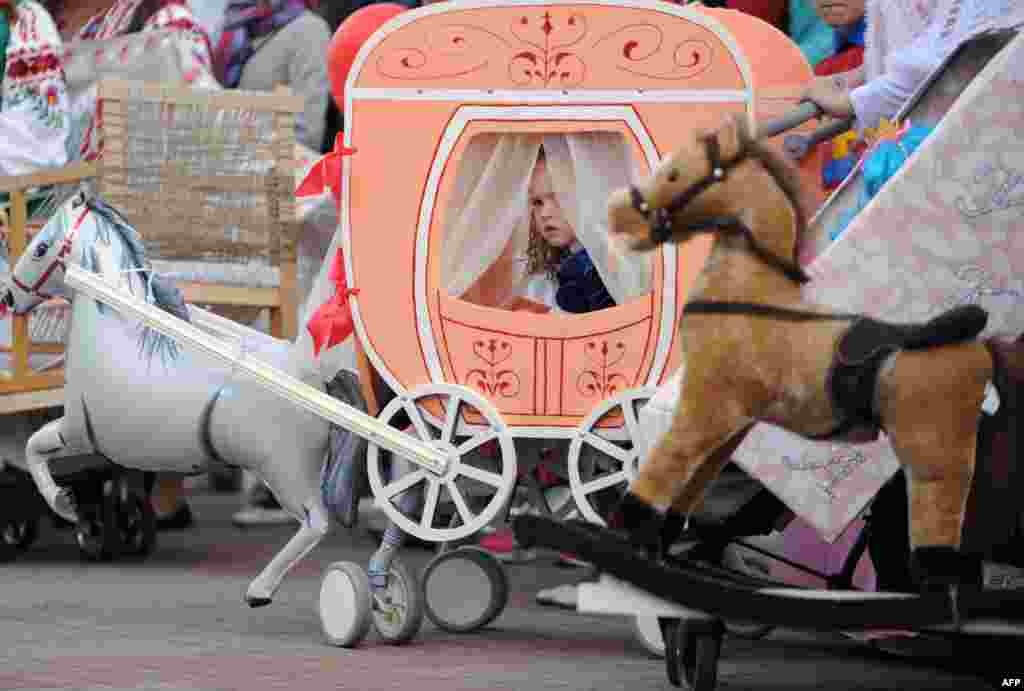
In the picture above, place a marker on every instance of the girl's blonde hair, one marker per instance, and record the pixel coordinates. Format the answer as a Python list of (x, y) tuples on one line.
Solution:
[(542, 257)]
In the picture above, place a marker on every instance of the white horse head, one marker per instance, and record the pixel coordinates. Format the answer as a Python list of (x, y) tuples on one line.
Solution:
[(86, 231)]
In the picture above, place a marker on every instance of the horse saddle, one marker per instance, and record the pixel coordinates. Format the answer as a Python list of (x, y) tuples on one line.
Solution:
[(868, 342)]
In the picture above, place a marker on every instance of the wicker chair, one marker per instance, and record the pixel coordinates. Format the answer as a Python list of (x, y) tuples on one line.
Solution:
[(208, 180), (207, 177)]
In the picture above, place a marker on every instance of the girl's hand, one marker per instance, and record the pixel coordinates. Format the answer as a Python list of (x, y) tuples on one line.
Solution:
[(831, 96)]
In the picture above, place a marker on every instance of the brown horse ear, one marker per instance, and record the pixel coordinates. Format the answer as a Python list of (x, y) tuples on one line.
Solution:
[(733, 136)]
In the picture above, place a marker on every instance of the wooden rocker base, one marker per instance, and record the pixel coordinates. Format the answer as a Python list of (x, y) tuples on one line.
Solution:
[(725, 595)]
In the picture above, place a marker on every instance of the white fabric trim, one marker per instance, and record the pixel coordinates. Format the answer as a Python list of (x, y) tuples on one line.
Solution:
[(491, 193)]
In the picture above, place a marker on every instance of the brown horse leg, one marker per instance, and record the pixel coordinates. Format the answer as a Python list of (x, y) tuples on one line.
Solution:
[(686, 461), (931, 406), (678, 470)]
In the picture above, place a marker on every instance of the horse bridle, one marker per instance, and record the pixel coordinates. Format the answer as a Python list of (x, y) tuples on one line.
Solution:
[(660, 222), (661, 225), (58, 262)]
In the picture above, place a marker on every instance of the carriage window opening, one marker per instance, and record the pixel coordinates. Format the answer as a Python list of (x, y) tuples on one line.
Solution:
[(526, 224)]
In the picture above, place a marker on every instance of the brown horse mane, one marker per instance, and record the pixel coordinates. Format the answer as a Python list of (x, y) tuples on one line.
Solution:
[(781, 171)]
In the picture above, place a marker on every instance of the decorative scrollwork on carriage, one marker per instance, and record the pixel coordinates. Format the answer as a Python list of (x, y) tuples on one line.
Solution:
[(453, 50), (549, 49), (602, 381), (549, 60), (643, 48), (489, 379)]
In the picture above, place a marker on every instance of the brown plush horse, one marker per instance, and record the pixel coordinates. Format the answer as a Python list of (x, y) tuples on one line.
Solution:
[(755, 350)]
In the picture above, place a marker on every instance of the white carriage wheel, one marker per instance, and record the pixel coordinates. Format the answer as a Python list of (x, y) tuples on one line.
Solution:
[(626, 460), (398, 611), (447, 432), (345, 605)]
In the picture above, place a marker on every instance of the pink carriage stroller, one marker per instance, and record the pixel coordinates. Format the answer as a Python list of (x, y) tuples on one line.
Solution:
[(455, 343)]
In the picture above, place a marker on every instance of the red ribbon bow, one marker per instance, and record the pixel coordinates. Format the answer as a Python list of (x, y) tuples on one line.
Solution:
[(326, 174), (332, 322)]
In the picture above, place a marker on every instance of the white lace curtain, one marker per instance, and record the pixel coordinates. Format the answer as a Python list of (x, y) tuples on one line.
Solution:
[(487, 219)]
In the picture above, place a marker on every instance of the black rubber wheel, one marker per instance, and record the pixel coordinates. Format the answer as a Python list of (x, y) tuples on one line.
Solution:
[(96, 540), (449, 582), (96, 531), (136, 525), (17, 535), (699, 651), (670, 632)]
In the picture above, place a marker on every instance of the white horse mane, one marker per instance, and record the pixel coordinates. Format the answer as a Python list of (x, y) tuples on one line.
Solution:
[(108, 223)]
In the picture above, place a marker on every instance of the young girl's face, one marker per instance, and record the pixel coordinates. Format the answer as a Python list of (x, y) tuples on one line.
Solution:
[(545, 211)]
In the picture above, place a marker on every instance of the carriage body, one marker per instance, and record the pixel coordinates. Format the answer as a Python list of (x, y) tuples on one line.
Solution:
[(432, 79)]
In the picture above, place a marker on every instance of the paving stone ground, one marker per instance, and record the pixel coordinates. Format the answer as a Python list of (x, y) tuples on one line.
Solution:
[(176, 622)]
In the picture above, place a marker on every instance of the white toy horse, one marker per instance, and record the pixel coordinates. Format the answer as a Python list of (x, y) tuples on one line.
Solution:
[(134, 397)]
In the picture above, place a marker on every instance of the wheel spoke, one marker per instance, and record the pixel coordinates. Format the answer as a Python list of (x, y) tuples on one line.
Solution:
[(460, 504), (475, 442), (413, 411), (430, 505), (606, 447), (480, 475), (632, 423), (605, 482), (451, 419), (403, 484)]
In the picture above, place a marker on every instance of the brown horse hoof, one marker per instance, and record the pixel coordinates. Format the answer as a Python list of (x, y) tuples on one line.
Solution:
[(938, 567), (641, 522)]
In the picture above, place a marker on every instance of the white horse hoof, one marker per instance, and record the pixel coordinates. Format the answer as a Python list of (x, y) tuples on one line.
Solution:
[(255, 602), (63, 504), (254, 597)]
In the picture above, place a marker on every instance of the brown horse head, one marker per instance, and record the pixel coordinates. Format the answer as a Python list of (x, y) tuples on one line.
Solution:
[(717, 178)]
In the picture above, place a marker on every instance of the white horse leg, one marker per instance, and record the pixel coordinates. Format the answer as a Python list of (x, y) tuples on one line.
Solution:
[(41, 447), (312, 530)]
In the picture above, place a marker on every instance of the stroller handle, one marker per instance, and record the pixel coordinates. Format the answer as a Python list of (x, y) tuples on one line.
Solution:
[(807, 110), (798, 146)]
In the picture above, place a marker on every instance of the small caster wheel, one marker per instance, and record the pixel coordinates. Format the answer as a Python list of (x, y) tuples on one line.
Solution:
[(691, 654), (647, 632), (673, 661), (464, 590), (345, 609), (96, 531), (398, 608), (136, 523), (17, 535), (94, 540)]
